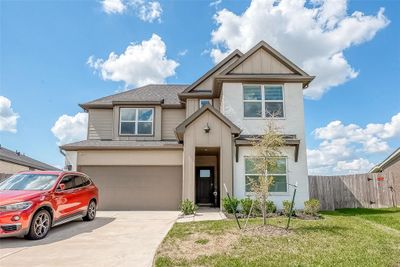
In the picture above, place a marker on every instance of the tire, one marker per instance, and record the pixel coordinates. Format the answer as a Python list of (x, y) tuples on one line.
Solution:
[(40, 225), (91, 211)]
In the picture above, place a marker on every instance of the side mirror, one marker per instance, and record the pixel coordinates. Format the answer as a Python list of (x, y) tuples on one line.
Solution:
[(61, 187)]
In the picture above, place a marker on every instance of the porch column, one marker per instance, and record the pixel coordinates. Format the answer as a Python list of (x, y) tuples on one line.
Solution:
[(189, 156)]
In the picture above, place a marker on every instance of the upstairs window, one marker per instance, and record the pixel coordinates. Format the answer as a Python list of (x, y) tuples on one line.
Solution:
[(136, 121), (278, 170), (263, 101), (203, 102)]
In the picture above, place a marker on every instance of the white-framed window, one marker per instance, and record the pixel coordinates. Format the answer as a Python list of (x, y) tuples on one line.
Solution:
[(203, 102), (278, 171), (136, 121), (263, 101)]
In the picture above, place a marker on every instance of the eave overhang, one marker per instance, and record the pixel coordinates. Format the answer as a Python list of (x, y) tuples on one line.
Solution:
[(290, 140)]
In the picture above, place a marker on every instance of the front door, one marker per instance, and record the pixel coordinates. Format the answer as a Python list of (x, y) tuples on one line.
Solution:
[(204, 185)]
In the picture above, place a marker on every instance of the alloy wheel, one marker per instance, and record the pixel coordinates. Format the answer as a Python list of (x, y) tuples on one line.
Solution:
[(42, 224)]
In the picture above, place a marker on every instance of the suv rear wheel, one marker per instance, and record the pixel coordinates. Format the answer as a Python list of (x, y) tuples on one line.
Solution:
[(91, 211), (40, 225)]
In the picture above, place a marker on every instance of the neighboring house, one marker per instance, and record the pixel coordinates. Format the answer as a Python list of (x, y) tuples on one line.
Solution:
[(153, 146), (12, 162), (390, 164)]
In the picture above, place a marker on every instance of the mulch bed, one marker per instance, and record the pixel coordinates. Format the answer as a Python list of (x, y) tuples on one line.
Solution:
[(266, 230)]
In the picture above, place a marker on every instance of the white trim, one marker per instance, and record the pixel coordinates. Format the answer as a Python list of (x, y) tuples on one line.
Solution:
[(136, 121), (263, 101)]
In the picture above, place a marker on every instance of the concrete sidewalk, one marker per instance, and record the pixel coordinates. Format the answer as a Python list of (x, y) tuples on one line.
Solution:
[(203, 214), (122, 238)]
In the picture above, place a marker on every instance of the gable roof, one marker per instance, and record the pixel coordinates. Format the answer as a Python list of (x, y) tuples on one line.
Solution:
[(20, 159), (180, 129), (269, 49), (235, 53), (166, 94)]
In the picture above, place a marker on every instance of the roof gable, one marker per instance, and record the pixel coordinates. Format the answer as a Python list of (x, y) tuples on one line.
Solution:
[(207, 78), (263, 59), (180, 129)]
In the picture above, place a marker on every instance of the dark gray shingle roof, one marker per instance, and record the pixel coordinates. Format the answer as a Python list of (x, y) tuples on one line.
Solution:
[(168, 93), (20, 159)]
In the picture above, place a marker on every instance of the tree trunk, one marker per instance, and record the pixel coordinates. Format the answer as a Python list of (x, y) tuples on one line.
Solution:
[(264, 212)]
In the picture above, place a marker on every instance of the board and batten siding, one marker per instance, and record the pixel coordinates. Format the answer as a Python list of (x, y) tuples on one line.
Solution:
[(261, 62), (171, 118), (100, 125)]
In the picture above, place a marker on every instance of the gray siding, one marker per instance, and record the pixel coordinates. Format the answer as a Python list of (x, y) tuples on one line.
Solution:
[(170, 119), (100, 125)]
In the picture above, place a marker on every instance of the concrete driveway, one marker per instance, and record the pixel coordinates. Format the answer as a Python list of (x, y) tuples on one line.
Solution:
[(120, 238)]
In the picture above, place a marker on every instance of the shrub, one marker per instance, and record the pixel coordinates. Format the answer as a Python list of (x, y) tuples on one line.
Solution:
[(270, 206), (230, 205), (246, 205), (312, 206), (188, 207), (286, 207)]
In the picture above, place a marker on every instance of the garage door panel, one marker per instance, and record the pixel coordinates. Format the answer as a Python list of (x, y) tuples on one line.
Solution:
[(137, 187)]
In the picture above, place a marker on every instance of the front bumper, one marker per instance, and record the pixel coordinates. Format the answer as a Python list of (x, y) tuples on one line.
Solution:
[(11, 227)]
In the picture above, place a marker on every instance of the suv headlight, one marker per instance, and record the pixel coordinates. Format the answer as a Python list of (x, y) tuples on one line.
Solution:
[(16, 206)]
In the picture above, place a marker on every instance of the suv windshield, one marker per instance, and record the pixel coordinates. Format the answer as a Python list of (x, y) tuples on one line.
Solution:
[(29, 182)]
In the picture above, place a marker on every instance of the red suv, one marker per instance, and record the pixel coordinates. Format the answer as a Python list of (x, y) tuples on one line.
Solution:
[(32, 202)]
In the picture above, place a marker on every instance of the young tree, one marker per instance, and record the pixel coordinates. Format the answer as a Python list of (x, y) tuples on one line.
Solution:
[(267, 148)]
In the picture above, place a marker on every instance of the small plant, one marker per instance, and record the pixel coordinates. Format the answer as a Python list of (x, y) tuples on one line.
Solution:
[(312, 207), (188, 207), (246, 205), (286, 207), (230, 205), (270, 206)]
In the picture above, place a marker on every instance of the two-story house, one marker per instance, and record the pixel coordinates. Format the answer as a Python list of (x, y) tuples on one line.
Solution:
[(151, 147)]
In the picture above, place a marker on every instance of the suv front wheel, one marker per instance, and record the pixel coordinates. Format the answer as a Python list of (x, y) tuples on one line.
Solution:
[(40, 225)]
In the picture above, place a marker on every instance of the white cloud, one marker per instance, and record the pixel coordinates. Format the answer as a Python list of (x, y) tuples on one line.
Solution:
[(8, 118), (140, 64), (344, 147), (68, 129), (183, 53), (113, 6), (148, 11), (312, 34), (354, 166), (215, 3)]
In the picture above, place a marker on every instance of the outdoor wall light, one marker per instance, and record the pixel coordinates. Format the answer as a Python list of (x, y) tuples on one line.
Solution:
[(207, 128)]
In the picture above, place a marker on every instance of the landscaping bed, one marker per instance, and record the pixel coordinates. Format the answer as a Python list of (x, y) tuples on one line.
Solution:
[(350, 237)]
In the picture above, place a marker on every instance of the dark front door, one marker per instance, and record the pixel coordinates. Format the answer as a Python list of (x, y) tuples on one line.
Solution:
[(204, 185)]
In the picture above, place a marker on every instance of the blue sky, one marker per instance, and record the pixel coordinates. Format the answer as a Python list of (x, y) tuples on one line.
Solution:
[(45, 46)]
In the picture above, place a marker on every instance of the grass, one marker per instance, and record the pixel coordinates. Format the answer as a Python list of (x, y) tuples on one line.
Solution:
[(346, 237)]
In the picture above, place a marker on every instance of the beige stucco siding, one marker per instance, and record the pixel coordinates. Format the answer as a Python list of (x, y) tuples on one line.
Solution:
[(261, 62), (100, 124), (11, 168), (219, 136), (170, 119), (129, 157)]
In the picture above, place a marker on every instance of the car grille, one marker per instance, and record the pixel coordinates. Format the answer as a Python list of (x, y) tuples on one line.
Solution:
[(9, 228)]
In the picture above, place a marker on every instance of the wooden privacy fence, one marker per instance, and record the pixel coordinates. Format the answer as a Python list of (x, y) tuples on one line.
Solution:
[(370, 190)]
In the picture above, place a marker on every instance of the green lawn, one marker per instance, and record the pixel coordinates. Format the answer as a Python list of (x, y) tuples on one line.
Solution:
[(347, 237)]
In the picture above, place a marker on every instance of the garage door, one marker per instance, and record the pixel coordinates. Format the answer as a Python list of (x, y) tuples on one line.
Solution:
[(138, 187)]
